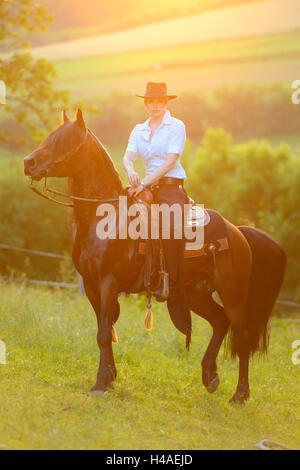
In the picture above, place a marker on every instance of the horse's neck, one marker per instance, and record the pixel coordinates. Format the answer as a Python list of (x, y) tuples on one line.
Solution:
[(98, 178)]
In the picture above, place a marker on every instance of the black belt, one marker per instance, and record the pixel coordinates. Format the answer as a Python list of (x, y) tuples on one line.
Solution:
[(170, 180)]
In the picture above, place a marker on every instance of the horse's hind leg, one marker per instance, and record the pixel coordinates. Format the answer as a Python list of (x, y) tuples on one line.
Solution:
[(239, 345), (204, 306), (243, 391)]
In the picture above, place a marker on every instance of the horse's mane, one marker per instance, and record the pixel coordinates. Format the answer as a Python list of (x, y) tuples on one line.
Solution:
[(108, 162), (109, 180)]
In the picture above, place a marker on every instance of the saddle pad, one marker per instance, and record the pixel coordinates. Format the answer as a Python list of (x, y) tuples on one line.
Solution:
[(197, 216), (214, 232), (222, 244)]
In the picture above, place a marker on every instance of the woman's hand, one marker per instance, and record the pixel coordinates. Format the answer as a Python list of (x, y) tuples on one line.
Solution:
[(134, 191), (134, 178)]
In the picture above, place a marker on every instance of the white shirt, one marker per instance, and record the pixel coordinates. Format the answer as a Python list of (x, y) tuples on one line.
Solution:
[(169, 137)]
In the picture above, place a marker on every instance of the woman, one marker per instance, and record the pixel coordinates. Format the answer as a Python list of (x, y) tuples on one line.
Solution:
[(160, 141)]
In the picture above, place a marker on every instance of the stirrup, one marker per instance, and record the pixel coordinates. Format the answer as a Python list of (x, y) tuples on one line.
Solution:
[(162, 294)]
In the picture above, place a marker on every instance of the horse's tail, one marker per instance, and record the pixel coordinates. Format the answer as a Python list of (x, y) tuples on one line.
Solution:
[(268, 267)]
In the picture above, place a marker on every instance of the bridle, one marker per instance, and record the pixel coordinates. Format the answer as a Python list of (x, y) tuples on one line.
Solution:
[(66, 157)]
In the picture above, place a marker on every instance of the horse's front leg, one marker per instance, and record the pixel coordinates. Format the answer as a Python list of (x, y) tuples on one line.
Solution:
[(106, 316)]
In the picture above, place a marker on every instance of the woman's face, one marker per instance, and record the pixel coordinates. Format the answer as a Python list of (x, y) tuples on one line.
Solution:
[(156, 106)]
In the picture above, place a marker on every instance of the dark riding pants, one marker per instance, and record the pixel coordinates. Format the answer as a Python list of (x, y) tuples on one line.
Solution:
[(174, 255)]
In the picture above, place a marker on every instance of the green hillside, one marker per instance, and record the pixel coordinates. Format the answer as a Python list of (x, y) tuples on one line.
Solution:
[(72, 21), (264, 59)]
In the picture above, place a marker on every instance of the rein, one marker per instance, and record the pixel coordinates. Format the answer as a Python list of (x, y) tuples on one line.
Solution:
[(37, 191), (69, 196)]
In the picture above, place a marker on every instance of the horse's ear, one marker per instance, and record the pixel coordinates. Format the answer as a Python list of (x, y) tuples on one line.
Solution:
[(64, 116), (79, 119)]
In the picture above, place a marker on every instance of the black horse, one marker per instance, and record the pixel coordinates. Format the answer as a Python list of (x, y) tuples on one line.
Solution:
[(248, 287)]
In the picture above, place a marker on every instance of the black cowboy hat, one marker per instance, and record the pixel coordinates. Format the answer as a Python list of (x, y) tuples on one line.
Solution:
[(157, 90)]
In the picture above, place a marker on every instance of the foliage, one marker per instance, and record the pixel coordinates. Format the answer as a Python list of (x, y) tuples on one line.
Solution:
[(29, 221), (253, 184), (32, 99), (244, 111), (158, 401), (17, 16)]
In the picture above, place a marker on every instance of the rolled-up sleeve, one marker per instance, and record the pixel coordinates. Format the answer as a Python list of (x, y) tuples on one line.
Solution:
[(132, 142), (177, 138)]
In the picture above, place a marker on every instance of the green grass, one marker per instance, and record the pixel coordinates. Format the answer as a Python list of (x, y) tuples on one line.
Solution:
[(187, 67), (158, 402)]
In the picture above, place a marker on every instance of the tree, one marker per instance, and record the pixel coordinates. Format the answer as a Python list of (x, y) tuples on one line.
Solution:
[(17, 16), (254, 184), (32, 101)]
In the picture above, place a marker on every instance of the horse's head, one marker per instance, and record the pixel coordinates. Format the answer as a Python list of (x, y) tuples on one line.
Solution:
[(59, 155)]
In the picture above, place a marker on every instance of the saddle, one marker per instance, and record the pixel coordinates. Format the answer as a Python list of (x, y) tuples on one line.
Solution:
[(214, 229), (215, 239)]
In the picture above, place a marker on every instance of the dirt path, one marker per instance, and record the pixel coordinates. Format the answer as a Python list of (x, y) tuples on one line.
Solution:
[(246, 20)]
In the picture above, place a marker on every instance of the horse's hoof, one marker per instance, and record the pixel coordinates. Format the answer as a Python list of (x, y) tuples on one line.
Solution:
[(240, 398), (213, 384), (98, 392)]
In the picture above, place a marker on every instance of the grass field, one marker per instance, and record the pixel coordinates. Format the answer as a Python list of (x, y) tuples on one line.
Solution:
[(66, 26), (265, 59), (158, 402)]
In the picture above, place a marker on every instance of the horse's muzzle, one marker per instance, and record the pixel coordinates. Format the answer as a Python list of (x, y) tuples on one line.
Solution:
[(29, 165), (31, 168)]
